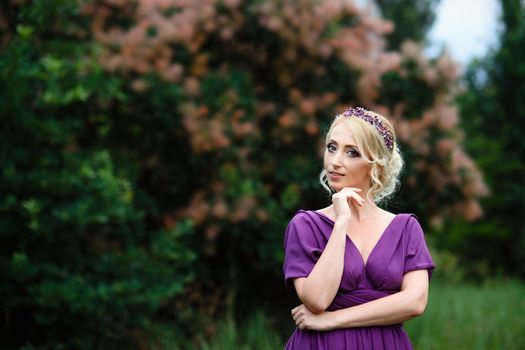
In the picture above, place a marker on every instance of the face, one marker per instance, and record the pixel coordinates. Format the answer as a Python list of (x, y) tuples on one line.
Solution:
[(343, 161)]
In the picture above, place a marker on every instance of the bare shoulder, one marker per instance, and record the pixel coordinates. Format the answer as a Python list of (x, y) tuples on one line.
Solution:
[(328, 211), (387, 216)]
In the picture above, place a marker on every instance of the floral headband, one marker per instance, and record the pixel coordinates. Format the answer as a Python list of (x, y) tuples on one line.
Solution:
[(363, 114)]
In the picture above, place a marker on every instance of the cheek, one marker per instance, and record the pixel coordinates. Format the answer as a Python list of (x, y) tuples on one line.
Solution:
[(326, 158), (366, 169), (362, 169)]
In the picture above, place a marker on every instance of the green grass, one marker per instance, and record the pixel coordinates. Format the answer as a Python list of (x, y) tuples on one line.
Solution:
[(458, 316), (255, 334), (491, 316)]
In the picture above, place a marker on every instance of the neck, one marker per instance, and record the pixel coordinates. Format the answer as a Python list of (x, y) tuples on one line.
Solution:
[(360, 213)]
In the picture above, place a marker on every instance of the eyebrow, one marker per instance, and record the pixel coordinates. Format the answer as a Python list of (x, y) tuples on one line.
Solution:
[(333, 141)]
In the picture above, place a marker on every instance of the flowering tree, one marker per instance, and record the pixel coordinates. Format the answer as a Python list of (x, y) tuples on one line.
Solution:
[(213, 113), (258, 83), (273, 74)]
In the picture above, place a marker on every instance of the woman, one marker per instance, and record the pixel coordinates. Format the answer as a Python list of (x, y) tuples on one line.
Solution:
[(359, 270)]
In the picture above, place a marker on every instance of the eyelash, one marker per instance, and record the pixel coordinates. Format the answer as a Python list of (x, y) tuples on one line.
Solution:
[(353, 152)]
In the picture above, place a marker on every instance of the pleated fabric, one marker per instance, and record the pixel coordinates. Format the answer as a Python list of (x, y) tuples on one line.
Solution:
[(400, 249)]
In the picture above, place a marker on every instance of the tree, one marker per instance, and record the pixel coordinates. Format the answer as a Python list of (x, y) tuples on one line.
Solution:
[(81, 265), (179, 138), (493, 114), (412, 19), (259, 82)]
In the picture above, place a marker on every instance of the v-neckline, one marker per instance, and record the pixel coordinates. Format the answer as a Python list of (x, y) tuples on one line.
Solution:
[(365, 263)]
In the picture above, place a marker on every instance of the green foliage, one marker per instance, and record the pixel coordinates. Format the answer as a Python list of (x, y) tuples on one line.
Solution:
[(247, 336), (493, 112), (458, 316), (413, 89), (256, 332), (450, 269), (412, 19), (151, 157), (80, 265)]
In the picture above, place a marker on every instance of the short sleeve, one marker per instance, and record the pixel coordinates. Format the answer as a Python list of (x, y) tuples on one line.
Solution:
[(417, 253), (301, 249)]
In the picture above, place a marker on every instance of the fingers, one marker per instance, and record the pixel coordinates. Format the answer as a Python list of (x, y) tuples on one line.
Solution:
[(299, 317), (350, 193), (295, 311), (299, 322), (356, 189), (357, 199)]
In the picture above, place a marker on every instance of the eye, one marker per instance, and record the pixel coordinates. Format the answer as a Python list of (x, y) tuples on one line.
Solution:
[(353, 153), (331, 147)]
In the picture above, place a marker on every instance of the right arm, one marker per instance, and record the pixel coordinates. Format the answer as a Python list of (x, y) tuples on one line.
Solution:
[(317, 291)]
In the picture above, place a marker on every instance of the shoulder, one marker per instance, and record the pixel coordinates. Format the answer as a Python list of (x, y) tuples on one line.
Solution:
[(301, 218), (408, 218), (408, 225), (413, 221), (304, 225), (412, 231)]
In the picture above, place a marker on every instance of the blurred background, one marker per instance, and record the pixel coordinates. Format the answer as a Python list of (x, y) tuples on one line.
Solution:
[(153, 151)]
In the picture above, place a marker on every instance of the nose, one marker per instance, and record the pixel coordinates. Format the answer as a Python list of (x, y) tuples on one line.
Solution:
[(336, 159)]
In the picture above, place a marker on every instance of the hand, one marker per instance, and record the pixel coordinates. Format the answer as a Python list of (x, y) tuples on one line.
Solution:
[(306, 319), (341, 201)]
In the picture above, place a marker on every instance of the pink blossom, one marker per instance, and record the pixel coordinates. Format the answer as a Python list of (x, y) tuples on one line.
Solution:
[(312, 128), (226, 34), (472, 210), (139, 85), (218, 186), (444, 146), (198, 208), (212, 232), (262, 215), (191, 86), (232, 3), (220, 209), (307, 106), (448, 117), (447, 68), (286, 120), (169, 221), (174, 73)]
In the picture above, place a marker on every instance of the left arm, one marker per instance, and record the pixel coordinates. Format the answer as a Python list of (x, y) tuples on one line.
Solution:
[(409, 302)]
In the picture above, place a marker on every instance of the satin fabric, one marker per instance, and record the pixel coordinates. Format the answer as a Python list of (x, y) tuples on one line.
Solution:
[(400, 249)]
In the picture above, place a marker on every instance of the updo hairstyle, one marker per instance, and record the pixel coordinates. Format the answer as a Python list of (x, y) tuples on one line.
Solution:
[(386, 164)]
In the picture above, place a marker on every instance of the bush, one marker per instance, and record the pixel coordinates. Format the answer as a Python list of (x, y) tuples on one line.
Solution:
[(154, 151)]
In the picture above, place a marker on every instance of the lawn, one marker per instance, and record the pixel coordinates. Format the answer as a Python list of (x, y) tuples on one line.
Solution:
[(462, 316), (458, 316)]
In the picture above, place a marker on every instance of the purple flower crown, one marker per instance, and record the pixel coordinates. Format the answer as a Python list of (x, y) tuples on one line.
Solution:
[(365, 115)]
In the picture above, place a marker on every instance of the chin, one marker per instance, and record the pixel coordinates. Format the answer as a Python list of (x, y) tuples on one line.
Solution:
[(336, 187)]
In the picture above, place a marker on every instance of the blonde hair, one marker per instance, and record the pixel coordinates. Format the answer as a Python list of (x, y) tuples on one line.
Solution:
[(386, 164)]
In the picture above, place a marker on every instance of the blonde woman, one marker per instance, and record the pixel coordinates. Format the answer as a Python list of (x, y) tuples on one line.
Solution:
[(359, 271)]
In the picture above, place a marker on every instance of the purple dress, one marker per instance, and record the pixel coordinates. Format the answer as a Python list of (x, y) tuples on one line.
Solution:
[(400, 249)]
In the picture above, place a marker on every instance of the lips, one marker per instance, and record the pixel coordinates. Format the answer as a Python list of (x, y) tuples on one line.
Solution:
[(335, 175)]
